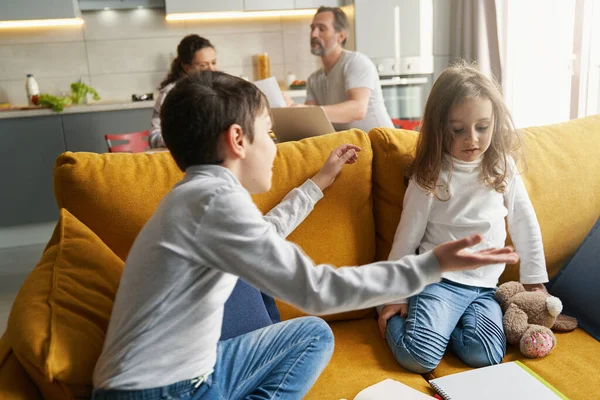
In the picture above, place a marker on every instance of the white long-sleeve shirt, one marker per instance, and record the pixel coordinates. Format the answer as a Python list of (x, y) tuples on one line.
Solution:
[(473, 208), (155, 135), (186, 260)]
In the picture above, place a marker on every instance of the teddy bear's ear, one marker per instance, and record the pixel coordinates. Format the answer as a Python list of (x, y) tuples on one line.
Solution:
[(506, 291), (564, 323)]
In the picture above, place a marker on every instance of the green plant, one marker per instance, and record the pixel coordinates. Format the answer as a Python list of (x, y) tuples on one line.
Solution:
[(56, 103), (79, 91)]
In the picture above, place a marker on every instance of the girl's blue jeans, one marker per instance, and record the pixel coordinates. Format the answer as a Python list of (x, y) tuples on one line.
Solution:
[(466, 319), (281, 361)]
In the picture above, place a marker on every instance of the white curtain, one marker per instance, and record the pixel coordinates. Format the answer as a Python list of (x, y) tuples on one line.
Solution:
[(475, 35)]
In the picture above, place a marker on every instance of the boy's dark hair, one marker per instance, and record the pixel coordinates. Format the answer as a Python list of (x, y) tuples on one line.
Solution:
[(186, 50), (200, 108), (340, 20)]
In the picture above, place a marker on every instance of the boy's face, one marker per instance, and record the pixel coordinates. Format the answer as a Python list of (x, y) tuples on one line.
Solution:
[(260, 155)]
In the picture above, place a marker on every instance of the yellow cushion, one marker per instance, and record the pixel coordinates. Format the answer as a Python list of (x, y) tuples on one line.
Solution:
[(15, 384), (572, 366), (393, 150), (361, 358), (60, 315), (114, 194), (340, 230), (562, 176)]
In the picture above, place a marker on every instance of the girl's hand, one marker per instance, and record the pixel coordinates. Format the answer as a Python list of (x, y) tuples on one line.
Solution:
[(388, 312), (536, 287), (344, 154)]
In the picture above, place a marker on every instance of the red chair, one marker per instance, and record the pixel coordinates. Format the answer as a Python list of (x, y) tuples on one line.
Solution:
[(136, 142), (407, 124)]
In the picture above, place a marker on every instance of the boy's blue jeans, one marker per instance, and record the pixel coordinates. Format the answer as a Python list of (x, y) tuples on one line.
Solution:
[(281, 361), (466, 318)]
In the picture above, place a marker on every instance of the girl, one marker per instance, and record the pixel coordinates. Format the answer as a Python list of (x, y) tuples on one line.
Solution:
[(194, 53), (463, 181)]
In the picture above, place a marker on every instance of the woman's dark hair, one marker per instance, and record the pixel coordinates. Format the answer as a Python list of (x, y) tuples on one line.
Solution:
[(186, 50), (200, 108)]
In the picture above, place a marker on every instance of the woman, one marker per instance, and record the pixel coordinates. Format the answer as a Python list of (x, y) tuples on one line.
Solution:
[(194, 53)]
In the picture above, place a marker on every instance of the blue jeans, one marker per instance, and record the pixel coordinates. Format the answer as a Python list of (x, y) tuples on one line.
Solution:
[(281, 361), (466, 318)]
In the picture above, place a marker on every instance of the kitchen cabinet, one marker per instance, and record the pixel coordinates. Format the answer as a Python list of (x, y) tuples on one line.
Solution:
[(396, 34), (34, 142), (38, 9), (194, 6), (85, 131), (32, 145), (317, 3), (260, 5)]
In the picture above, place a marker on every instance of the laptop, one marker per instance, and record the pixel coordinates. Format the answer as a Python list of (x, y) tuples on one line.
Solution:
[(296, 123)]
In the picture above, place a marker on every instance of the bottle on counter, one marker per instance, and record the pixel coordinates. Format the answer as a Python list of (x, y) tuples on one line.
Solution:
[(32, 89), (263, 66), (289, 79)]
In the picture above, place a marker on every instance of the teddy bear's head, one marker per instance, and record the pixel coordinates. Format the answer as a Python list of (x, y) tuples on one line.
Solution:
[(540, 308)]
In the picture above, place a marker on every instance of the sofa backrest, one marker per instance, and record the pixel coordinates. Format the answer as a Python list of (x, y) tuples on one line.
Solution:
[(561, 172)]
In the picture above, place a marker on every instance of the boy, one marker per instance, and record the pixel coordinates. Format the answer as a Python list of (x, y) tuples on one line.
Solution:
[(163, 334)]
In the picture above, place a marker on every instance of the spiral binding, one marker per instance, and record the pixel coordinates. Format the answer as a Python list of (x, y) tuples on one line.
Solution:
[(440, 391)]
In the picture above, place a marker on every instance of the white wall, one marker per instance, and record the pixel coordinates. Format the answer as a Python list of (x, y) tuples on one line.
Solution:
[(121, 52)]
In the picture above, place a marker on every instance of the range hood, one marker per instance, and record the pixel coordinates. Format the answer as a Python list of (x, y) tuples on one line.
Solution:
[(94, 5)]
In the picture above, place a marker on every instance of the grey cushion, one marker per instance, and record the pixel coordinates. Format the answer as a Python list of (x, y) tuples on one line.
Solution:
[(578, 284)]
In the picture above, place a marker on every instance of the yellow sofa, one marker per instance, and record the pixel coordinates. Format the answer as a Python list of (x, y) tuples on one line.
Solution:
[(57, 324)]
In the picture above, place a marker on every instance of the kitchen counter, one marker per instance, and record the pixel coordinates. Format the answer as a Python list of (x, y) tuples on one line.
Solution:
[(102, 106)]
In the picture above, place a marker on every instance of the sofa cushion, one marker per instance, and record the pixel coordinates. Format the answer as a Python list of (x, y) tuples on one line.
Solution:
[(577, 283), (245, 311), (115, 194), (393, 150), (361, 358), (572, 366), (60, 315), (561, 175), (15, 383), (340, 230)]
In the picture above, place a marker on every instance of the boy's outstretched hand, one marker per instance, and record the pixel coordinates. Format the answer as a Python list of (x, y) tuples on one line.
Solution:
[(344, 154), (453, 257)]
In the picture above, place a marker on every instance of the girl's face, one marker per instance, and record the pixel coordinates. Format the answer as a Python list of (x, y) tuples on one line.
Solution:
[(204, 59), (472, 122)]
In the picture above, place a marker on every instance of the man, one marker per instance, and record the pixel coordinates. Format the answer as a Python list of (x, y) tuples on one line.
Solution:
[(347, 87)]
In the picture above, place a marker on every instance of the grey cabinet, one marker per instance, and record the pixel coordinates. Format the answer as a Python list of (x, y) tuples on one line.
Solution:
[(260, 5), (189, 6), (11, 10), (31, 147), (85, 132)]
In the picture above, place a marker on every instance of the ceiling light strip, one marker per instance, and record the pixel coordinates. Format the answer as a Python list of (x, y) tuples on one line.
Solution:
[(240, 14), (32, 23)]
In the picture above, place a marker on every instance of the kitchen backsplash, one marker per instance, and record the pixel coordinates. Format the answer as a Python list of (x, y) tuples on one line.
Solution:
[(121, 52)]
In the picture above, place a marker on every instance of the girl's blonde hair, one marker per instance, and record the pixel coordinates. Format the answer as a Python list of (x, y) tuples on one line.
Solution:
[(457, 83)]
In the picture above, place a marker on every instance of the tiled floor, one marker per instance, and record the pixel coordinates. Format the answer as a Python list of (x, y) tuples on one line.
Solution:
[(15, 265)]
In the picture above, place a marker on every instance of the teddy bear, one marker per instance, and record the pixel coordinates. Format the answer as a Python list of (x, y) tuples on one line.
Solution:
[(529, 318)]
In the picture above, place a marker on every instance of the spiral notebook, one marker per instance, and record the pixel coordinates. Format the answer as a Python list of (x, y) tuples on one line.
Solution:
[(511, 380)]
